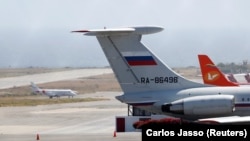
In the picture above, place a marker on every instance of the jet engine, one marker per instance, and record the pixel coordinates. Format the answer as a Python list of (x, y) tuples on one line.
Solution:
[(202, 105)]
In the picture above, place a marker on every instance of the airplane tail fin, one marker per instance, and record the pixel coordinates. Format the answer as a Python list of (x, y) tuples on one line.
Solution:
[(211, 74), (247, 77), (34, 87), (136, 68), (232, 78)]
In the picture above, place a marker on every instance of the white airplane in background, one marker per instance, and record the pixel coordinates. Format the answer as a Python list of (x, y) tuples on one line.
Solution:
[(241, 78), (53, 92), (212, 75), (151, 85)]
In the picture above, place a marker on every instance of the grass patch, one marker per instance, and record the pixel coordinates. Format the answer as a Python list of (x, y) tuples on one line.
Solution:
[(17, 101)]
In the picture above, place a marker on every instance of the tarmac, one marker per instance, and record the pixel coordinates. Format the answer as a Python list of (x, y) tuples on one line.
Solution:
[(83, 121), (83, 137), (25, 80)]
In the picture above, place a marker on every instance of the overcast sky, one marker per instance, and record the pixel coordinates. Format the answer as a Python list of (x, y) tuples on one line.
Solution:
[(37, 32)]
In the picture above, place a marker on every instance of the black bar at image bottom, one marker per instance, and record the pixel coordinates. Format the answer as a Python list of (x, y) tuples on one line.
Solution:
[(196, 131)]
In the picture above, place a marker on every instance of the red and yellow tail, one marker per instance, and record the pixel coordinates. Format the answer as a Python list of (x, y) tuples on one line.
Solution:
[(211, 74)]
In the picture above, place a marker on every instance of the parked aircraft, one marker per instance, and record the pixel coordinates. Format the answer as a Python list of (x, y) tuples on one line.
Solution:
[(211, 74), (53, 92), (241, 78), (149, 84)]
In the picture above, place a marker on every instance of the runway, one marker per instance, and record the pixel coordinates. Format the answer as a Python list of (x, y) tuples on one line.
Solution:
[(10, 82), (76, 121), (72, 121)]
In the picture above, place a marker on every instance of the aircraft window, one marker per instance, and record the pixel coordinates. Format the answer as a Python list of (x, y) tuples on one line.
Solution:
[(247, 99), (242, 99)]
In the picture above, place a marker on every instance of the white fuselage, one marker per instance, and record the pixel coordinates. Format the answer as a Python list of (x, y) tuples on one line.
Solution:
[(148, 83), (57, 92), (157, 99)]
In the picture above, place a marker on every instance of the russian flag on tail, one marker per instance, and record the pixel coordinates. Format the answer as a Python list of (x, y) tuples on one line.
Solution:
[(139, 59)]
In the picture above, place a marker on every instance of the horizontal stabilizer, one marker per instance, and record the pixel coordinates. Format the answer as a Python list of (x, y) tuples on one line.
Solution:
[(140, 30)]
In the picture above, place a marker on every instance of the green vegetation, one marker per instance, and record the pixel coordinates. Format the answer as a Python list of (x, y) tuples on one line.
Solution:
[(29, 101)]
